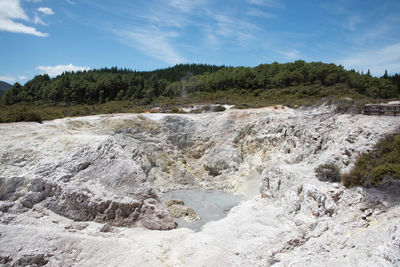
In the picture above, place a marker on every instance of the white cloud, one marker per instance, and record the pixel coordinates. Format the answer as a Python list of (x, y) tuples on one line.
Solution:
[(11, 26), (46, 10), (59, 69), (11, 10), (152, 42), (377, 61)]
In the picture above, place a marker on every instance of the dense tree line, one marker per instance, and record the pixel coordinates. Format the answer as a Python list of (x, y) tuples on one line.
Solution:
[(395, 79), (281, 76), (103, 85), (100, 86)]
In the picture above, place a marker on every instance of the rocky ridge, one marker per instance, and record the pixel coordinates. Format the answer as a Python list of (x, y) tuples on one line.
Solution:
[(78, 186)]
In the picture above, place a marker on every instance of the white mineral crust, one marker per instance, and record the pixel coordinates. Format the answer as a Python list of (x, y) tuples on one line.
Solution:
[(85, 191)]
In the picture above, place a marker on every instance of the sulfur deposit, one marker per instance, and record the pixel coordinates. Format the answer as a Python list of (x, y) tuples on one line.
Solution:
[(88, 191)]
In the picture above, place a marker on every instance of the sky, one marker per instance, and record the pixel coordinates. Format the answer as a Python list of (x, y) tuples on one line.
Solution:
[(52, 36)]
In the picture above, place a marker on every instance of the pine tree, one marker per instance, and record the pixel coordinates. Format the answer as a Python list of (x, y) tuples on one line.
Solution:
[(385, 76)]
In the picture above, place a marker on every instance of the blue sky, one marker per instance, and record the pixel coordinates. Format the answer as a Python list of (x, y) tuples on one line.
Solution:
[(51, 36)]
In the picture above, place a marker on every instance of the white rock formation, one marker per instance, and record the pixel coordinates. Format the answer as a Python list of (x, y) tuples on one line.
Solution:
[(82, 191)]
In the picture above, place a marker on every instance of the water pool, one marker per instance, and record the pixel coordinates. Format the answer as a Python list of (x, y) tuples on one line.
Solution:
[(210, 205)]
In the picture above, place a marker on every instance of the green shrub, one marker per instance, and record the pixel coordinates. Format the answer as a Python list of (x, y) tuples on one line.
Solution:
[(328, 172), (29, 116), (175, 110), (372, 167), (219, 108)]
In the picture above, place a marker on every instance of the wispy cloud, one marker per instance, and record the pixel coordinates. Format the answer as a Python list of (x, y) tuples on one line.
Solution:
[(377, 61), (161, 18), (353, 22), (11, 10), (291, 54), (227, 28), (153, 42), (255, 12), (46, 11), (59, 69), (38, 20), (185, 5), (199, 25), (270, 3), (372, 34)]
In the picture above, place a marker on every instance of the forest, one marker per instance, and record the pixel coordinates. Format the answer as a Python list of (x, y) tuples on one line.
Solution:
[(264, 84)]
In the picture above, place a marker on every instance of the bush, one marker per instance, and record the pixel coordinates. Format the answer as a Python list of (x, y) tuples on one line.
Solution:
[(29, 116), (175, 110), (382, 162), (219, 108), (328, 172)]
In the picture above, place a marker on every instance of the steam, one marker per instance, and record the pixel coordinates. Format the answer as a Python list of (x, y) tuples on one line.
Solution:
[(185, 83)]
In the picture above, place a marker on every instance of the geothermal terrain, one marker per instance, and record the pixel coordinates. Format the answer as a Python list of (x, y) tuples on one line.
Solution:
[(184, 190)]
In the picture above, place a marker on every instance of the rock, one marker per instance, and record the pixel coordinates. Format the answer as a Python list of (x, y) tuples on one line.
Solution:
[(5, 260), (106, 228), (180, 129), (389, 254), (270, 182), (77, 226), (174, 202), (221, 158), (368, 212), (5, 206), (178, 209), (154, 217), (9, 187), (346, 160), (335, 185), (347, 152), (33, 260), (318, 202)]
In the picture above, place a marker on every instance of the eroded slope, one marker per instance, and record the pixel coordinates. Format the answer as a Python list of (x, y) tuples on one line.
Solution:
[(74, 185)]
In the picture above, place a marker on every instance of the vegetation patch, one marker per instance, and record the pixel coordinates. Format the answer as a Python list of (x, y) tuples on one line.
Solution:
[(373, 167), (328, 172)]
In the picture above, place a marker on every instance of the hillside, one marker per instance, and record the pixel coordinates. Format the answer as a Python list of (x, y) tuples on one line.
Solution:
[(4, 87), (95, 91)]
